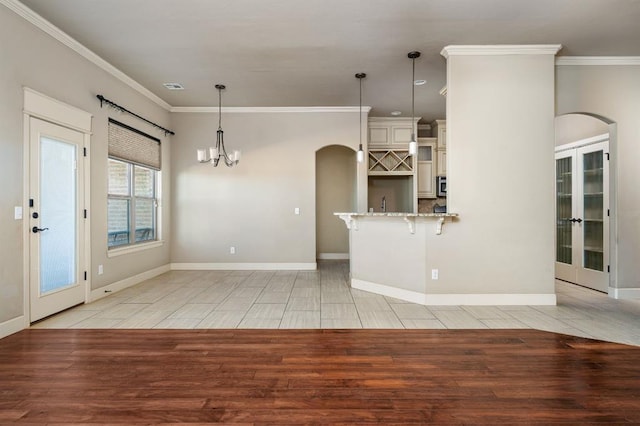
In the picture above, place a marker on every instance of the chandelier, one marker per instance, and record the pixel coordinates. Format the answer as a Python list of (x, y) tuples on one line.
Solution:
[(214, 153)]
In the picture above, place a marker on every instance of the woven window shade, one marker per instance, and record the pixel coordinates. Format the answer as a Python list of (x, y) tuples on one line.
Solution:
[(129, 144)]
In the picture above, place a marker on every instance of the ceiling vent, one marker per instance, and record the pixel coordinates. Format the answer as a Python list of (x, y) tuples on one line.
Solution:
[(173, 86)]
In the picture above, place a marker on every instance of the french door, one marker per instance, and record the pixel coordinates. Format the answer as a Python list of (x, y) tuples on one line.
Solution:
[(56, 206), (582, 215)]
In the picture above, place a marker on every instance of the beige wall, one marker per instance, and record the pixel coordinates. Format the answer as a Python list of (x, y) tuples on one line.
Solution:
[(33, 59), (613, 92), (251, 206), (335, 192), (500, 150)]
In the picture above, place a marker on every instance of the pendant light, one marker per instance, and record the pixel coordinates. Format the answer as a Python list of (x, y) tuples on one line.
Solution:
[(360, 153), (219, 150), (413, 144)]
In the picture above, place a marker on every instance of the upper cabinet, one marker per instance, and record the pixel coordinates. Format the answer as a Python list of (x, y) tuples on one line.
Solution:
[(439, 129), (390, 132), (426, 168)]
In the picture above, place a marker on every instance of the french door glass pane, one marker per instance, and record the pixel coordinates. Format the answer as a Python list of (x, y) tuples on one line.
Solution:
[(564, 210), (593, 225), (118, 221), (58, 214)]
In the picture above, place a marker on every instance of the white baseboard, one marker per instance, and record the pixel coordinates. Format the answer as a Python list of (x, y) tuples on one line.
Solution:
[(624, 293), (12, 326), (454, 299), (385, 290), (243, 266), (101, 292), (333, 256)]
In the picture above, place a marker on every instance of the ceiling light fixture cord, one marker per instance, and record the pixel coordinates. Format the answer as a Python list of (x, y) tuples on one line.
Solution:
[(413, 95), (413, 144), (360, 153), (360, 115)]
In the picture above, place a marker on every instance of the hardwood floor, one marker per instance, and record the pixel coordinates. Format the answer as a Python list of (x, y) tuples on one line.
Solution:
[(316, 376)]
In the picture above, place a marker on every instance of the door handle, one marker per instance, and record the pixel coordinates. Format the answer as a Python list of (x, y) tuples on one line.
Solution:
[(35, 229)]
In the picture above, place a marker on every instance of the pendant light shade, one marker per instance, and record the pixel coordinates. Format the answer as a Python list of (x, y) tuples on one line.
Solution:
[(413, 144), (214, 153), (360, 153)]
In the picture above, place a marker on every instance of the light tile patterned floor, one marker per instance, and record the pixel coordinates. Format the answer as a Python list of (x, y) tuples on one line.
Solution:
[(323, 299)]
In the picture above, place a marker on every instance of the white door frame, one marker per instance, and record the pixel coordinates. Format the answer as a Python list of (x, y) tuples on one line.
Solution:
[(45, 108), (580, 274)]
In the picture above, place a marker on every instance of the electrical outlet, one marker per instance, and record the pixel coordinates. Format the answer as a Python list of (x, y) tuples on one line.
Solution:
[(17, 212), (434, 274), (232, 250), (100, 270)]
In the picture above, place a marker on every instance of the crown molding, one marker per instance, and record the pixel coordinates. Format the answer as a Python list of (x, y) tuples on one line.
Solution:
[(501, 49), (55, 32), (393, 119), (598, 60), (269, 109)]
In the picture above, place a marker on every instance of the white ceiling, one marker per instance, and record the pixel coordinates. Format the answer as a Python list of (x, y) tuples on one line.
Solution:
[(306, 52)]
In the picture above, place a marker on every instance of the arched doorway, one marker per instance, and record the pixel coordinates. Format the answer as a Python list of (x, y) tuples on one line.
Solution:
[(336, 169)]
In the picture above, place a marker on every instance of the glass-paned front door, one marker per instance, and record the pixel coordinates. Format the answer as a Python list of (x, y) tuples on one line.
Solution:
[(58, 214), (56, 222)]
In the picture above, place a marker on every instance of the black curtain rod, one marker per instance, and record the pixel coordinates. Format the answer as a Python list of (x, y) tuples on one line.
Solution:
[(112, 104)]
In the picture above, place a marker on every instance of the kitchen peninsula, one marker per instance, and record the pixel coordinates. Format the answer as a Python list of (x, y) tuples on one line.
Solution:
[(393, 254)]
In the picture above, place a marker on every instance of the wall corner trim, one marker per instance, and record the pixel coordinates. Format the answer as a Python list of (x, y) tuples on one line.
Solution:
[(56, 33), (333, 256), (624, 293), (500, 49), (13, 326), (454, 299), (271, 110), (311, 266), (597, 60), (112, 288)]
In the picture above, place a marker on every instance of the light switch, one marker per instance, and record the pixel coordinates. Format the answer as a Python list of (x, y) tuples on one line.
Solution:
[(296, 210), (17, 212)]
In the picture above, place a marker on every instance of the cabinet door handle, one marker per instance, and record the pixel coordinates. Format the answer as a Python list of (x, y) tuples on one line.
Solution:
[(579, 220), (573, 219)]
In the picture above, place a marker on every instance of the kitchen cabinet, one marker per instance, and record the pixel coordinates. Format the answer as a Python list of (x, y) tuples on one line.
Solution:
[(392, 180), (441, 162), (439, 129), (582, 214), (426, 167), (387, 132)]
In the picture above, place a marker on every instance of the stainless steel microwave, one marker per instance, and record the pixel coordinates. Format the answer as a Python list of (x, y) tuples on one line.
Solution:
[(441, 186)]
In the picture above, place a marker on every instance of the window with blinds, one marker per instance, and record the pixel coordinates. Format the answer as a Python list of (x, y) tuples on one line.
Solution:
[(132, 145), (132, 200)]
